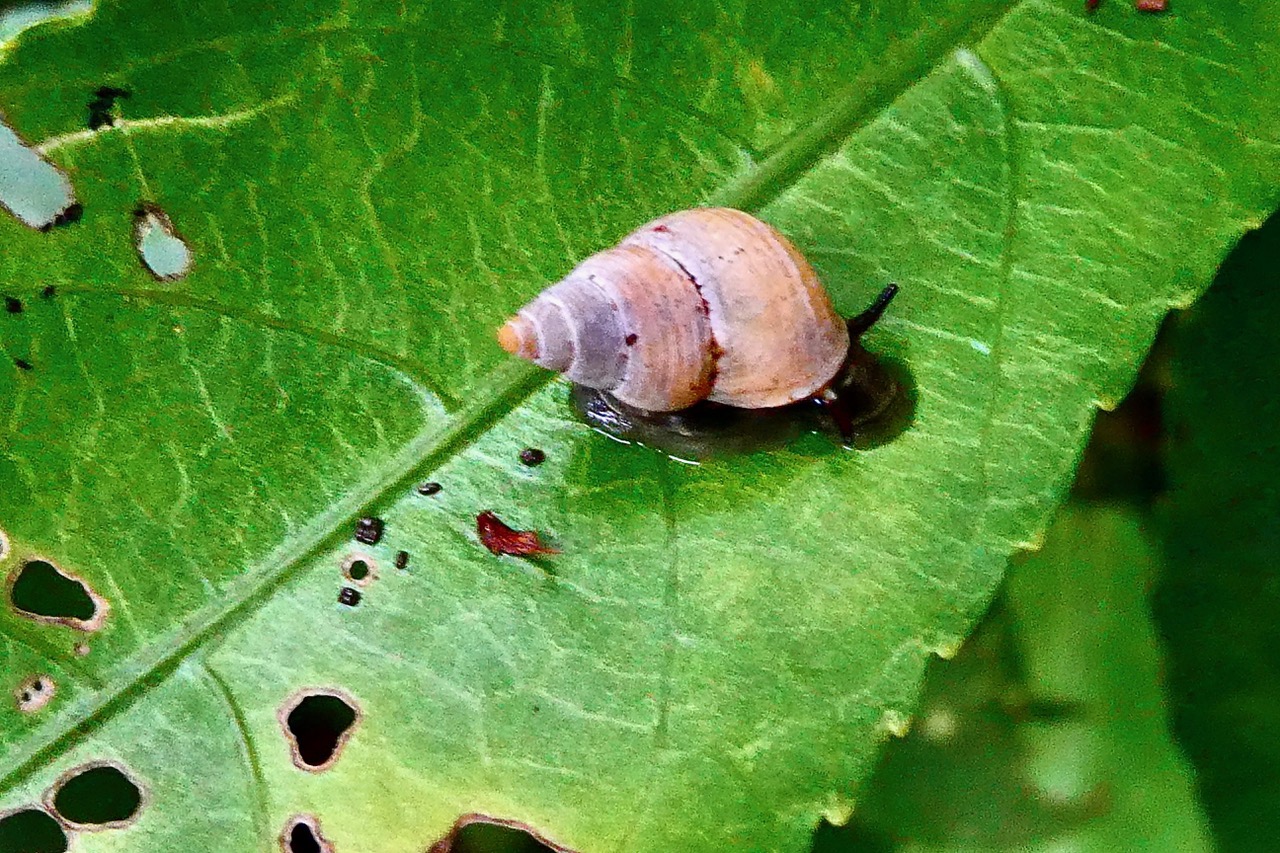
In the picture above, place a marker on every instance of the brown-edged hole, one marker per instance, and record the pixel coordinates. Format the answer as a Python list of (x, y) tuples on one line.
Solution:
[(99, 796), (317, 724), (302, 835), (360, 569), (40, 590), (477, 833), (34, 693), (31, 831)]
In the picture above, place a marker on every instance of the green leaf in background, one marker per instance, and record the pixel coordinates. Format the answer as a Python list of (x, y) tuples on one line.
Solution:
[(367, 190), (1047, 731), (1219, 604)]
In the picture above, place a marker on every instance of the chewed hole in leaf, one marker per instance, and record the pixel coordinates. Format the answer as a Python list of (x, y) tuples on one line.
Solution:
[(302, 835), (31, 188), (97, 796), (478, 833), (31, 831), (160, 247), (34, 693), (317, 723), (4, 545), (360, 569), (40, 590)]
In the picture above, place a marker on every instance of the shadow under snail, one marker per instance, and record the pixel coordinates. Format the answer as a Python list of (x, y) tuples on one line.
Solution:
[(708, 304)]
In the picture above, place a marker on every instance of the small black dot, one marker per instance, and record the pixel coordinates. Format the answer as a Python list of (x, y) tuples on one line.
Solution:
[(632, 338), (402, 559), (369, 530), (358, 570), (23, 364), (429, 488), (49, 292), (38, 686), (349, 596), (532, 456), (13, 305)]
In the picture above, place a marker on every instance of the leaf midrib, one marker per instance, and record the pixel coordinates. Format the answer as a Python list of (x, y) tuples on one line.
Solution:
[(842, 116)]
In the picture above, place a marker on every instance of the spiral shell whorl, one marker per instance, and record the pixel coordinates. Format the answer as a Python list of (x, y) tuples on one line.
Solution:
[(709, 303), (626, 320)]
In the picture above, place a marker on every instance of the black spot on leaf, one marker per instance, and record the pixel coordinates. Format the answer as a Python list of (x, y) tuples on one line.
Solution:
[(317, 724), (429, 488), (369, 530), (98, 796), (13, 304), (104, 100)]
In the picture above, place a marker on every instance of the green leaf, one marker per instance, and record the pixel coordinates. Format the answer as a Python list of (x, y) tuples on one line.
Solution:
[(367, 191), (1219, 604), (1047, 731)]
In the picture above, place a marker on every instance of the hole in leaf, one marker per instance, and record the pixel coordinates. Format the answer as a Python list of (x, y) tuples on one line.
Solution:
[(41, 591), (34, 693), (31, 831), (302, 835), (97, 796), (24, 15), (4, 545), (31, 188), (317, 724), (360, 569), (477, 833), (160, 248)]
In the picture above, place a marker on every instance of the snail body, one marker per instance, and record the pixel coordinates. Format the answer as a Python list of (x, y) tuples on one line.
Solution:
[(703, 304), (708, 304)]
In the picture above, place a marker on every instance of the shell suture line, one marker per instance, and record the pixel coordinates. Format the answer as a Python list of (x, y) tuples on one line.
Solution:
[(715, 350)]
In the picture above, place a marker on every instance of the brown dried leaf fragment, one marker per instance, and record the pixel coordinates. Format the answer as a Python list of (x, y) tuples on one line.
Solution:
[(501, 539)]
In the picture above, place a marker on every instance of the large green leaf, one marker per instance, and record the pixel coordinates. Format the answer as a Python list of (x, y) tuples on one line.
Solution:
[(368, 189), (1220, 600)]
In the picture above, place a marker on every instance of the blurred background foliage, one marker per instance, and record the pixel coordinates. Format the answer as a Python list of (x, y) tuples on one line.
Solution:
[(1123, 692)]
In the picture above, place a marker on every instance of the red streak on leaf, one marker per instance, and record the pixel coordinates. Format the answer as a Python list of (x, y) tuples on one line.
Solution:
[(1151, 5), (501, 539)]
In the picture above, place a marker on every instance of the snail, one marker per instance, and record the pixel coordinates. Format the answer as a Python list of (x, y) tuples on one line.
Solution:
[(708, 304)]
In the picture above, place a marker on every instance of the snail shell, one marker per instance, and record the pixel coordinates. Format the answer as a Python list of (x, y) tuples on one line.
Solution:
[(703, 304)]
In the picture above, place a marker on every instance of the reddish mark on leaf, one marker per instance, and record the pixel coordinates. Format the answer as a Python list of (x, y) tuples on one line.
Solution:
[(501, 539), (1151, 5), (1090, 5)]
